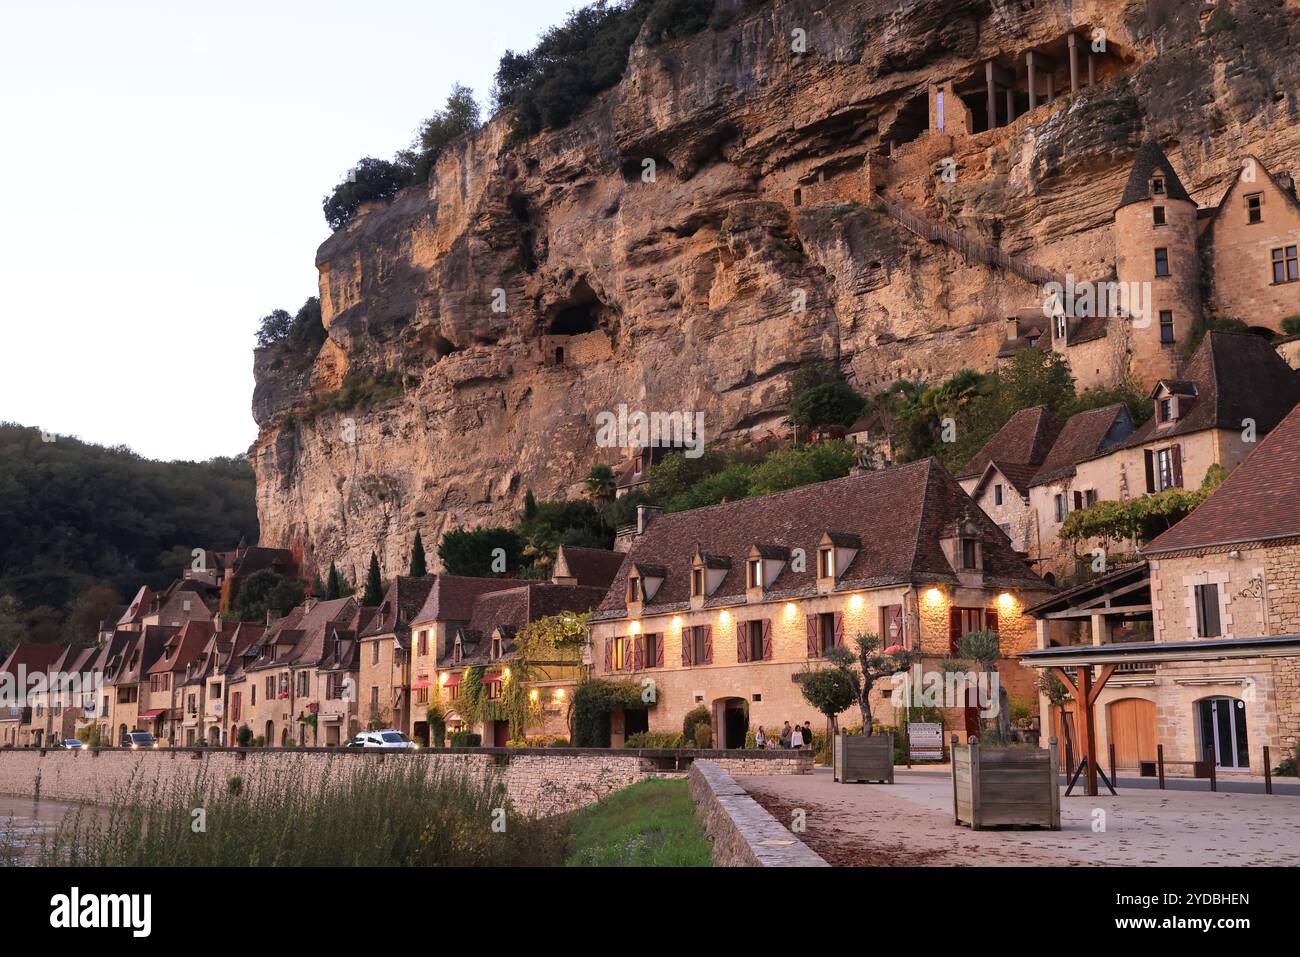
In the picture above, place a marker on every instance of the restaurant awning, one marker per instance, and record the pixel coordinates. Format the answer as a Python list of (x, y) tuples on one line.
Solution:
[(153, 713), (453, 680), (492, 679), (422, 683)]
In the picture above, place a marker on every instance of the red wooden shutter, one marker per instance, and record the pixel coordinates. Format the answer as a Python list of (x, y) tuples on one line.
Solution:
[(659, 650), (742, 641), (688, 638), (1176, 453), (813, 649), (767, 639), (839, 630), (638, 653), (708, 645), (609, 654), (954, 629), (627, 653), (1150, 458)]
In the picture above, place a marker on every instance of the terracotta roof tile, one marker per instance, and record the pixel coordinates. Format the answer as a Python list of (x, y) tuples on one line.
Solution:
[(1084, 435), (1146, 161), (1024, 440), (589, 566)]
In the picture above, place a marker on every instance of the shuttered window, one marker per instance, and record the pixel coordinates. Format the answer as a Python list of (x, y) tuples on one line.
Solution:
[(1207, 611)]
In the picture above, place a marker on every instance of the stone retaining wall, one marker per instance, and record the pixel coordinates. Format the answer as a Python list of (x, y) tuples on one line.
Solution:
[(541, 780), (742, 833)]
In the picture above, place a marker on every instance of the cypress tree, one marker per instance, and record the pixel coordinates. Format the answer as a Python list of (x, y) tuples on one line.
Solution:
[(374, 595), (530, 505), (335, 587), (418, 568)]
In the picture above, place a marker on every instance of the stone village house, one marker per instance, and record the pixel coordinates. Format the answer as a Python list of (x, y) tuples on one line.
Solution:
[(1199, 641), (726, 606)]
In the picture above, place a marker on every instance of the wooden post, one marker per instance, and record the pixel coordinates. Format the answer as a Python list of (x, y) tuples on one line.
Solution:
[(1074, 62), (1160, 764), (975, 816), (1011, 105), (956, 818), (1056, 784), (1268, 773), (1088, 731), (992, 94), (1114, 778), (1214, 760), (1033, 88)]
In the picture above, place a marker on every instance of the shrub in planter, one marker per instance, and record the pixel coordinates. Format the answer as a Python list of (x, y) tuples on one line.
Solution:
[(695, 717), (466, 739)]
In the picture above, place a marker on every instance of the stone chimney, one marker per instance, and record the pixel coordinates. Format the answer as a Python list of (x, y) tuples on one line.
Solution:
[(645, 514)]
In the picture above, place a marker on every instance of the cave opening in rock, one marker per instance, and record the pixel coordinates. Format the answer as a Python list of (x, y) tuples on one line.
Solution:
[(578, 313), (912, 119)]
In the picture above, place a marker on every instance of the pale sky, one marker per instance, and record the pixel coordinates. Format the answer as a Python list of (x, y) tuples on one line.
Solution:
[(163, 167)]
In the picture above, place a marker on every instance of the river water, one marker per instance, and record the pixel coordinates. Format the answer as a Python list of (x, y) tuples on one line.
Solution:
[(22, 821)]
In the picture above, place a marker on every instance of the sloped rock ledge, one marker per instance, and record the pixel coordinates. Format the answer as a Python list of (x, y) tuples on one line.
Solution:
[(742, 833)]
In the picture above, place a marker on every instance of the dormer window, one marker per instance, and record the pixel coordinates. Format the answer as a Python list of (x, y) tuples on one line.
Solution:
[(1157, 185), (697, 582), (755, 573), (969, 554), (826, 563), (496, 647), (634, 590), (1167, 409), (457, 652), (1060, 327)]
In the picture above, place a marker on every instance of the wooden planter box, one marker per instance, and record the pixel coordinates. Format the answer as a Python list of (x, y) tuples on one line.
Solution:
[(860, 757), (1015, 787)]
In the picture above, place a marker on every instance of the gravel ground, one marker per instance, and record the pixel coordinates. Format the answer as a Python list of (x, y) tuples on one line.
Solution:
[(911, 823)]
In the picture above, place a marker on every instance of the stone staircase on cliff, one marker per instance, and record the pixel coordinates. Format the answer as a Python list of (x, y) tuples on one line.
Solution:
[(972, 249)]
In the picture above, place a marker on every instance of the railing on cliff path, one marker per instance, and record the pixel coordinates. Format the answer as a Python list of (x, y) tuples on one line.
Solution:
[(973, 250)]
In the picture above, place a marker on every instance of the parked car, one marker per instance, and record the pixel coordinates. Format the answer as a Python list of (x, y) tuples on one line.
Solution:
[(139, 740), (70, 744), (389, 738)]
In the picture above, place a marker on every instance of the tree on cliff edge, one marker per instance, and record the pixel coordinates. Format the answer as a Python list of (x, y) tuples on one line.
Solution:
[(334, 587), (418, 567), (374, 596)]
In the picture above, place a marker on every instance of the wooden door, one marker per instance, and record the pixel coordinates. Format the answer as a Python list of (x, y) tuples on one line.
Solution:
[(1132, 726)]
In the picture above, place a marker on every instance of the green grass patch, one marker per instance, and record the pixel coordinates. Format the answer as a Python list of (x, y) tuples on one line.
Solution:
[(650, 824)]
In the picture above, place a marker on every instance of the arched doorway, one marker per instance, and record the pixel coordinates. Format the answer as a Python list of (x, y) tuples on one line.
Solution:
[(121, 736), (269, 738), (1221, 726), (1131, 726), (234, 736), (284, 738), (730, 722)]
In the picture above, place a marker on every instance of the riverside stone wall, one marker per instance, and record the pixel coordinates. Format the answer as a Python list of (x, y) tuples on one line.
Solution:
[(544, 781), (741, 832)]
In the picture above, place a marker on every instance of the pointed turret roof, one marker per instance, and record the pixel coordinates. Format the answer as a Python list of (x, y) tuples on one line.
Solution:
[(1146, 161)]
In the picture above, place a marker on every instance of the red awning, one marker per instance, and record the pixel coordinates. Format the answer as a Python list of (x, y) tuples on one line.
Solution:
[(422, 683), (453, 680), (492, 679), (153, 713)]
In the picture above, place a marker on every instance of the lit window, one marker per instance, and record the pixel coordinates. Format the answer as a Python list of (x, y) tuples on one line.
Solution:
[(618, 654), (756, 573), (494, 690), (697, 582), (826, 563), (634, 589)]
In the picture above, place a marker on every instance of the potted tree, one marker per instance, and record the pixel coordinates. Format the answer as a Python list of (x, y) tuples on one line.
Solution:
[(869, 756), (830, 691)]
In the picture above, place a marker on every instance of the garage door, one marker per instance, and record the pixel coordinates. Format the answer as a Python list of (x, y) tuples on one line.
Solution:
[(1132, 723)]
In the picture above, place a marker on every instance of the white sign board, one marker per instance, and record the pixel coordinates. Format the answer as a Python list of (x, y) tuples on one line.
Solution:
[(925, 740)]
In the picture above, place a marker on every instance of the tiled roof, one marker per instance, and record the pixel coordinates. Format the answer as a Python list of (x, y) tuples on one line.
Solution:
[(1237, 376), (512, 609), (405, 598), (1146, 161), (1018, 475), (183, 647), (899, 514), (452, 597), (142, 653), (1024, 440), (1256, 502), (139, 606), (589, 566), (34, 658), (1084, 435)]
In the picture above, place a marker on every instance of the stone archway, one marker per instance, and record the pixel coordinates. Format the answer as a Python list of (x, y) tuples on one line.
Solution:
[(730, 722)]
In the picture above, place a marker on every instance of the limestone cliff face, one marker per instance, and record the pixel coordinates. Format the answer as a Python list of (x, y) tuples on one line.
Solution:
[(680, 293)]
